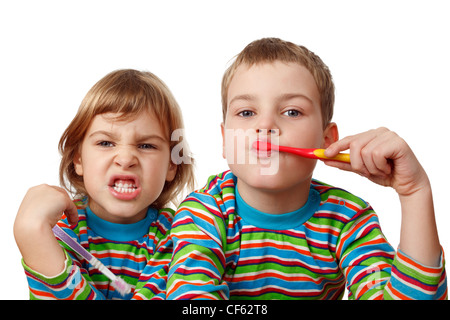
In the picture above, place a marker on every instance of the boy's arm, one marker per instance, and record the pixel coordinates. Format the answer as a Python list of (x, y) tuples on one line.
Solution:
[(374, 270), (152, 282), (198, 262), (386, 159)]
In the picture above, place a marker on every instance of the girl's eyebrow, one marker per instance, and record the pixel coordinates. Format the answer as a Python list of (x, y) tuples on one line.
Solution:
[(102, 132), (150, 137), (113, 136)]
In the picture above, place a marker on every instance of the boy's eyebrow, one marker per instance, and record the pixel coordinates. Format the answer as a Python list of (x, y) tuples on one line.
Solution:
[(289, 96), (285, 96), (245, 97)]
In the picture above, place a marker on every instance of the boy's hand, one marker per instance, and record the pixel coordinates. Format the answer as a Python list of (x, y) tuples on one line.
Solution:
[(384, 158)]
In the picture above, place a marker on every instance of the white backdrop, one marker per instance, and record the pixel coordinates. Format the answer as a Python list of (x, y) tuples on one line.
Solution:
[(389, 59)]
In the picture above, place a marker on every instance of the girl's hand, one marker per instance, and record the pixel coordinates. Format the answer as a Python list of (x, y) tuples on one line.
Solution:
[(40, 210), (45, 204), (384, 158)]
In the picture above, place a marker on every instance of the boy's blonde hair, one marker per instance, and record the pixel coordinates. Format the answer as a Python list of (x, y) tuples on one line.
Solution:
[(274, 49), (127, 93)]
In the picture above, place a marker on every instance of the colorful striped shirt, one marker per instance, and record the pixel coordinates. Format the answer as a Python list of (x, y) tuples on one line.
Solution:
[(139, 253), (225, 249)]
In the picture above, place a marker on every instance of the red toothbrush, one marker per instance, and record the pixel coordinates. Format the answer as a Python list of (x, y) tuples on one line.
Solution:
[(307, 153)]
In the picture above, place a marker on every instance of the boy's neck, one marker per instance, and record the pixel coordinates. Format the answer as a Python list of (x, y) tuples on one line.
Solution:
[(275, 202)]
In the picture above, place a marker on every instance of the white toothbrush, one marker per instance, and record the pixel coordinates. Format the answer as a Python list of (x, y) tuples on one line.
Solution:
[(121, 286)]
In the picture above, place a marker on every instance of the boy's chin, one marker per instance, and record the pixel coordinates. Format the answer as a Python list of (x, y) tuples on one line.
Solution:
[(269, 178)]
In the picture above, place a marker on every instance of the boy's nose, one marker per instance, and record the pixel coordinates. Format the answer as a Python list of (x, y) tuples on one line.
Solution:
[(267, 125), (125, 158), (267, 131)]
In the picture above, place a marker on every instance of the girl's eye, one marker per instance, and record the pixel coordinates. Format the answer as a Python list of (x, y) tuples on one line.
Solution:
[(246, 113), (146, 146), (292, 113), (105, 144)]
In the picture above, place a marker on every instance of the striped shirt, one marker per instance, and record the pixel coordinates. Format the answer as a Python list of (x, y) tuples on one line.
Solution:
[(225, 249), (139, 253)]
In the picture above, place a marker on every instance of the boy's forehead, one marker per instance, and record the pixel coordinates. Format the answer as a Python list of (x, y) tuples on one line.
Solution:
[(286, 77)]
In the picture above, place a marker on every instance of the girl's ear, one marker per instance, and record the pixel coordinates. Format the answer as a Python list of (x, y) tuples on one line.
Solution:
[(171, 171), (78, 164), (330, 135)]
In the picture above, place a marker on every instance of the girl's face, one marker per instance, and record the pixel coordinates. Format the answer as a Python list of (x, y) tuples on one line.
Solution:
[(124, 165)]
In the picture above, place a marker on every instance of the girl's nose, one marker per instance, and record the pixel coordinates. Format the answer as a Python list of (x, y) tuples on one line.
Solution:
[(125, 158)]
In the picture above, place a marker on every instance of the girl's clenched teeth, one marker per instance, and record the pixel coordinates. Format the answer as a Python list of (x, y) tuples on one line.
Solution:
[(124, 187)]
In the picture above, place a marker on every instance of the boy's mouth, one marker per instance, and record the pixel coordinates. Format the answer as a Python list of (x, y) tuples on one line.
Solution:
[(261, 149)]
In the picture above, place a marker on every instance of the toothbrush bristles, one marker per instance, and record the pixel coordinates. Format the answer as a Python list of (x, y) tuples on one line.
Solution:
[(262, 146), (121, 286)]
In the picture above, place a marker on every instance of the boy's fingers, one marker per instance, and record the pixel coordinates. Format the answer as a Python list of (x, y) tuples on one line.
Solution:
[(339, 165), (338, 146)]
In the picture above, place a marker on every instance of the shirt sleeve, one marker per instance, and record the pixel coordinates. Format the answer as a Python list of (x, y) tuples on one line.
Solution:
[(198, 262), (375, 271), (71, 284), (152, 282), (413, 280)]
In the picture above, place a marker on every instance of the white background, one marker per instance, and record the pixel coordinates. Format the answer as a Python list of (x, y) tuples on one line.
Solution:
[(389, 59)]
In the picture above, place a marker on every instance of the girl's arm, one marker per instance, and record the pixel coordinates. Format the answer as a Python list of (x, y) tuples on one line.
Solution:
[(41, 208)]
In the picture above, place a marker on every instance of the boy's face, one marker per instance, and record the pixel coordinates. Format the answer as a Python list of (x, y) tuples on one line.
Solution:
[(278, 102), (124, 165)]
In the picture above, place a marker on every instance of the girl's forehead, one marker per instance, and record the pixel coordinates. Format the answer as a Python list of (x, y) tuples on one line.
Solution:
[(144, 122)]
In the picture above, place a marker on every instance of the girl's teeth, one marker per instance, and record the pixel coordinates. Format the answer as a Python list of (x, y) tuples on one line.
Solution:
[(124, 188)]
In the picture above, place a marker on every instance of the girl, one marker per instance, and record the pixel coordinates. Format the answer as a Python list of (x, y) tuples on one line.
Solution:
[(116, 157)]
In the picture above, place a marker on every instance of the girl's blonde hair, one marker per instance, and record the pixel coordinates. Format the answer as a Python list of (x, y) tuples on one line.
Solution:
[(268, 50), (127, 93)]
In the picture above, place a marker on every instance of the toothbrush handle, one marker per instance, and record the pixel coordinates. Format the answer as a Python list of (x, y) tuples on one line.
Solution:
[(72, 243), (313, 153), (83, 252), (342, 157)]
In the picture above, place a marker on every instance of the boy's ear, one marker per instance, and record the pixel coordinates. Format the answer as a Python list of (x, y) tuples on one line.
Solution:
[(222, 128), (330, 134), (78, 164)]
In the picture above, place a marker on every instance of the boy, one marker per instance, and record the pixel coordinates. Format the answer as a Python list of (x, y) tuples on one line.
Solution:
[(255, 233)]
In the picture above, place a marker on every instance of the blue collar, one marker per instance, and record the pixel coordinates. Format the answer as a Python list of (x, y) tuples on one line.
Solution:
[(284, 221), (120, 232)]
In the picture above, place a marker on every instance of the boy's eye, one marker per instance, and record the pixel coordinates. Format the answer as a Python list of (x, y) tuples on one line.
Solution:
[(105, 144), (292, 113), (246, 113)]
